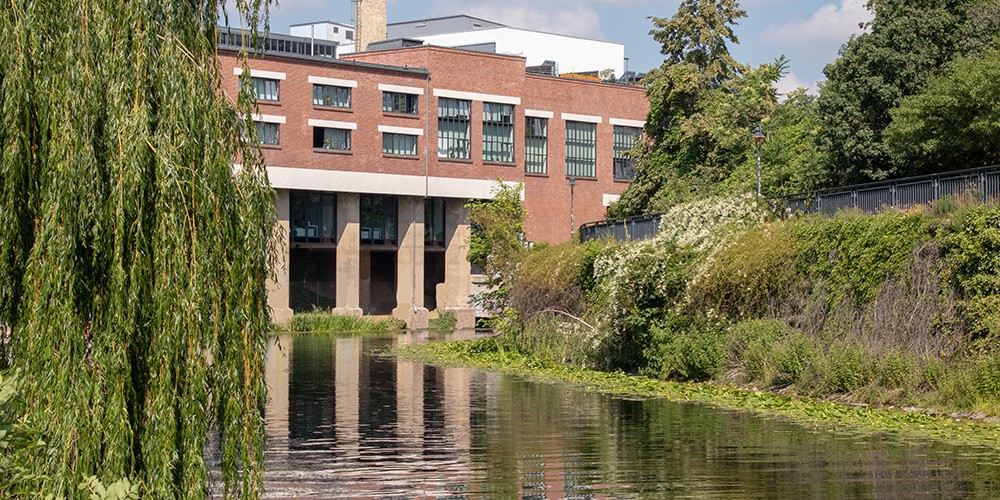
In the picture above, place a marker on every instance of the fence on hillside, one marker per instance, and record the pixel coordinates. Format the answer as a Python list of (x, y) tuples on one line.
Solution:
[(633, 228), (981, 184)]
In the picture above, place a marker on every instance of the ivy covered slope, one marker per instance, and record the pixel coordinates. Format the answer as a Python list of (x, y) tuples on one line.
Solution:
[(133, 259), (901, 308)]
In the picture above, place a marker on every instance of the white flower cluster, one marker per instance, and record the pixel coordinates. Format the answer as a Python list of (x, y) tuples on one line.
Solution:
[(703, 227)]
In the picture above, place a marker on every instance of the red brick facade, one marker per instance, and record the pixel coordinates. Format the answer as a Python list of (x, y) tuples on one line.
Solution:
[(547, 197)]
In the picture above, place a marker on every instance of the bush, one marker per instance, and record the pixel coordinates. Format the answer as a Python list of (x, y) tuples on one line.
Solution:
[(696, 353), (987, 377), (770, 351), (849, 367), (972, 249)]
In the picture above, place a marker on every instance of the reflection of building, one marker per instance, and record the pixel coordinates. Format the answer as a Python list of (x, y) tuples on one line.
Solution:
[(373, 157)]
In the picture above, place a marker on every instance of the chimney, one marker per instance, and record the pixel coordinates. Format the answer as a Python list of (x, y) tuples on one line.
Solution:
[(369, 23)]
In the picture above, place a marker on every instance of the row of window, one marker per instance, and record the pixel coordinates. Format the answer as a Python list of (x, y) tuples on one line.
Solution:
[(314, 219), (454, 132)]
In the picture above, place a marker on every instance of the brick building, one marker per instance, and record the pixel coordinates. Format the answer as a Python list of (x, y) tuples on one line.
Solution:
[(373, 157)]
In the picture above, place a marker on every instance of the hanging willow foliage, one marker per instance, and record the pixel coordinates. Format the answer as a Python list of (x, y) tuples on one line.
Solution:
[(133, 260)]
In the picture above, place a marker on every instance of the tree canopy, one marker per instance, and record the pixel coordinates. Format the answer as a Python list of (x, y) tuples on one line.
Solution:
[(133, 258), (906, 43), (954, 121), (699, 34)]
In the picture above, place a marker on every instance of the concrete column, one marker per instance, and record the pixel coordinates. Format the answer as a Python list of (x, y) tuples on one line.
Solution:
[(348, 254), (347, 383), (277, 286), (453, 294), (409, 404), (410, 264), (276, 374)]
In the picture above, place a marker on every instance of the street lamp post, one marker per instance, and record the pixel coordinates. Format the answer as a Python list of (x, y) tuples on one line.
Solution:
[(758, 137), (572, 221)]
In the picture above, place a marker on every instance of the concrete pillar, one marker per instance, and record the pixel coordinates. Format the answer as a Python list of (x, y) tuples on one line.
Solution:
[(457, 408), (276, 374), (277, 286), (410, 264), (347, 387), (348, 254), (453, 294), (409, 404)]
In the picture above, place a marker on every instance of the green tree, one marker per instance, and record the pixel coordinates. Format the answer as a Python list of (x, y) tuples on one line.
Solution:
[(954, 122), (133, 258), (701, 137), (792, 159), (699, 34), (497, 242), (907, 42)]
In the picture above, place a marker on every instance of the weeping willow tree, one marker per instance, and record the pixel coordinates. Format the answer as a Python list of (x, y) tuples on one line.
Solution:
[(133, 256)]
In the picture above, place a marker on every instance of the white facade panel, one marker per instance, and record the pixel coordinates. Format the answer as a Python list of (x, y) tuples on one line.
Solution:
[(570, 53), (372, 183)]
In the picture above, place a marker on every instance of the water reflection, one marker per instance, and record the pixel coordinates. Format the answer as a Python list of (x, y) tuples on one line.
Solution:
[(345, 423)]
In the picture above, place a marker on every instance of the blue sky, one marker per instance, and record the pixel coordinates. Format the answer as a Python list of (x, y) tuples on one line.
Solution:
[(808, 32)]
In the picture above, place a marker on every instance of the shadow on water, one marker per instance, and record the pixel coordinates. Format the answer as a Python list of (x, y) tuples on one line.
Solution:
[(344, 422)]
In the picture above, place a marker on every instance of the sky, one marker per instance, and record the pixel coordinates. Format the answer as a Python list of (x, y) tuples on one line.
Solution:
[(808, 32)]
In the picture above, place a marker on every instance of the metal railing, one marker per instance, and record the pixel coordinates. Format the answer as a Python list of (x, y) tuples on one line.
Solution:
[(631, 229), (980, 184)]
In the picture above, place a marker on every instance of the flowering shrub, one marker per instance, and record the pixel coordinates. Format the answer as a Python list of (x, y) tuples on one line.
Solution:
[(640, 284)]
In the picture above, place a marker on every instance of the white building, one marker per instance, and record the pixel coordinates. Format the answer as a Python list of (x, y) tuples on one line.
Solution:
[(332, 31), (570, 54)]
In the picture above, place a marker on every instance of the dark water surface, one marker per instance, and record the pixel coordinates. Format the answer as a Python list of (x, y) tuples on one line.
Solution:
[(343, 423)]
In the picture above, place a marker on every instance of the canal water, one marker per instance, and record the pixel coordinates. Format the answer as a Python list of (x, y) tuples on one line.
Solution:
[(346, 422)]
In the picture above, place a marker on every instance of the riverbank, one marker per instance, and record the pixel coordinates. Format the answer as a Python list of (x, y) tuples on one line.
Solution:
[(489, 354)]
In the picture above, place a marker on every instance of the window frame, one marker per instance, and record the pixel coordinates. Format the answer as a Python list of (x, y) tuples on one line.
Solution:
[(391, 101), (395, 136), (335, 102), (498, 132), (581, 149), (262, 127), (454, 113), (533, 151), (622, 144), (256, 81), (345, 141)]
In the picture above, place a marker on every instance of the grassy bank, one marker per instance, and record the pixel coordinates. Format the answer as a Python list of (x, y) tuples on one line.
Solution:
[(900, 309), (324, 322), (491, 354)]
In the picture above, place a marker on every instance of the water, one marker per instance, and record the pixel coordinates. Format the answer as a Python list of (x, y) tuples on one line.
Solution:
[(344, 423)]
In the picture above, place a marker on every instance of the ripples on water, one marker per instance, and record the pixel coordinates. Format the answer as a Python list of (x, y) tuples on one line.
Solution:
[(343, 423)]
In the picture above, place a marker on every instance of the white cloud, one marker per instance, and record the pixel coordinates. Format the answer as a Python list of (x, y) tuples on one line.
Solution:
[(791, 82), (829, 24), (569, 18)]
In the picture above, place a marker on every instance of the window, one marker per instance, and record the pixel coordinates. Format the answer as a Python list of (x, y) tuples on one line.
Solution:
[(536, 142), (332, 138), (498, 132), (453, 128), (267, 133), (313, 217), (265, 89), (581, 149), (395, 102), (378, 220), (349, 35), (329, 95), (399, 144), (434, 222), (625, 140)]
